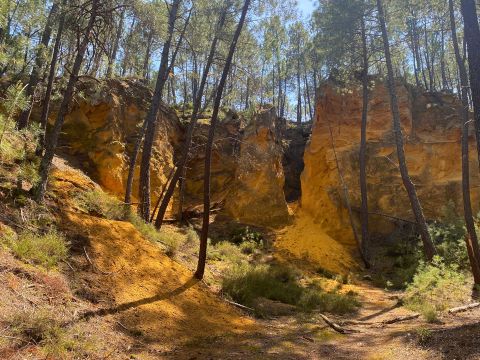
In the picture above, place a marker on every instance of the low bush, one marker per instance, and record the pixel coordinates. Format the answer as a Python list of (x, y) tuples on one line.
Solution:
[(46, 250), (245, 283), (245, 234), (101, 204), (436, 287), (226, 251)]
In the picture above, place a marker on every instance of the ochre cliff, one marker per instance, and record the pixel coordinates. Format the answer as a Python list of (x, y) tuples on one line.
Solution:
[(257, 194), (431, 126), (102, 127)]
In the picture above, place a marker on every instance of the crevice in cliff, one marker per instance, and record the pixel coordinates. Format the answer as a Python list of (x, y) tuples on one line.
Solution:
[(294, 142)]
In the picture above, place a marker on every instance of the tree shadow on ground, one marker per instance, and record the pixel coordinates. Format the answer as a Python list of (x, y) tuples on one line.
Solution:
[(459, 342)]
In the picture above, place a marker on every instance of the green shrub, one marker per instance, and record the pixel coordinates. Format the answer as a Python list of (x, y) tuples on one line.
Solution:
[(244, 283), (333, 302), (102, 204), (245, 234), (226, 251), (249, 247), (46, 250), (436, 286)]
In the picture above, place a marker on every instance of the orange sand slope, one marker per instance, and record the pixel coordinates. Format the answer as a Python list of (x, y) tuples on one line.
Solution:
[(306, 240), (152, 294)]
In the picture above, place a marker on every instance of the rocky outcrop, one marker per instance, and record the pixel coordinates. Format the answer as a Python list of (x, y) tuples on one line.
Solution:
[(257, 194), (431, 126), (102, 127)]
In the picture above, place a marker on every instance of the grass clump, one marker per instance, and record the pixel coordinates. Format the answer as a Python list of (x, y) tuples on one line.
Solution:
[(436, 287), (101, 204), (171, 241), (227, 252), (47, 250), (44, 329), (244, 283)]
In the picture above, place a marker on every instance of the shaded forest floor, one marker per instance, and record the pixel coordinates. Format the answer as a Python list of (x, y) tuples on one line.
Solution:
[(119, 296)]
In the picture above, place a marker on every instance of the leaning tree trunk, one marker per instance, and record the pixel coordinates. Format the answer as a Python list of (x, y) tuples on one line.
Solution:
[(138, 142), (51, 78), (151, 119), (429, 247), (472, 238), (39, 61), (472, 39), (363, 152), (51, 141), (202, 255), (191, 126)]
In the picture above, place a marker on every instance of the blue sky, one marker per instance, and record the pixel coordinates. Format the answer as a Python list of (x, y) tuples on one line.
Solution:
[(306, 6)]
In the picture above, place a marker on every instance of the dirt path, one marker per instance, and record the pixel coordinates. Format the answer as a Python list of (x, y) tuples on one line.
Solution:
[(307, 337)]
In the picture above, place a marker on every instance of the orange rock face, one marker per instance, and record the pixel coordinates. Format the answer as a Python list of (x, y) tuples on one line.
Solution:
[(256, 195), (431, 127), (101, 130)]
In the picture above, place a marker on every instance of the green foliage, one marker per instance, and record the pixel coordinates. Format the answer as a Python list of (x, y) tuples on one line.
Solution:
[(101, 204), (424, 335), (171, 241), (245, 234), (244, 283), (436, 287), (47, 250), (227, 252)]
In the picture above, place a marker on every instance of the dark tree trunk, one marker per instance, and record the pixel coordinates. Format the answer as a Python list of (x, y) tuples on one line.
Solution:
[(116, 42), (471, 238), (39, 61), (138, 142), (364, 250), (299, 93), (202, 255), (127, 47), (151, 119), (191, 126), (472, 39), (52, 139), (428, 245), (51, 78)]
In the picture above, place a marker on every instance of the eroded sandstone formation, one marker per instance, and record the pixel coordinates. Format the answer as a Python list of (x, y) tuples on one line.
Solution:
[(103, 125), (431, 126), (257, 194)]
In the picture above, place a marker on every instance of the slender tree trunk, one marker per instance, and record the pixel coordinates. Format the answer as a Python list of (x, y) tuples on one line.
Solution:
[(471, 238), (191, 126), (151, 119), (138, 143), (51, 143), (126, 53), (363, 152), (39, 61), (51, 78), (472, 39), (116, 42), (428, 245), (146, 62), (299, 93), (202, 255)]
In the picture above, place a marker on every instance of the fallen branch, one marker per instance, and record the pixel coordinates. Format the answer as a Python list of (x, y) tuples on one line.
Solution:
[(336, 327), (243, 307), (400, 319), (463, 308)]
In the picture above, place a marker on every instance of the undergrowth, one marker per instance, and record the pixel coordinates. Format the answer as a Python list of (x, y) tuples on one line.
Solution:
[(100, 203), (43, 328), (245, 283), (47, 249), (436, 287)]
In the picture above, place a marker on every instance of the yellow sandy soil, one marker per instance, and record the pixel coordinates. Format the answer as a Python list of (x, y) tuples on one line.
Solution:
[(306, 240), (152, 294)]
